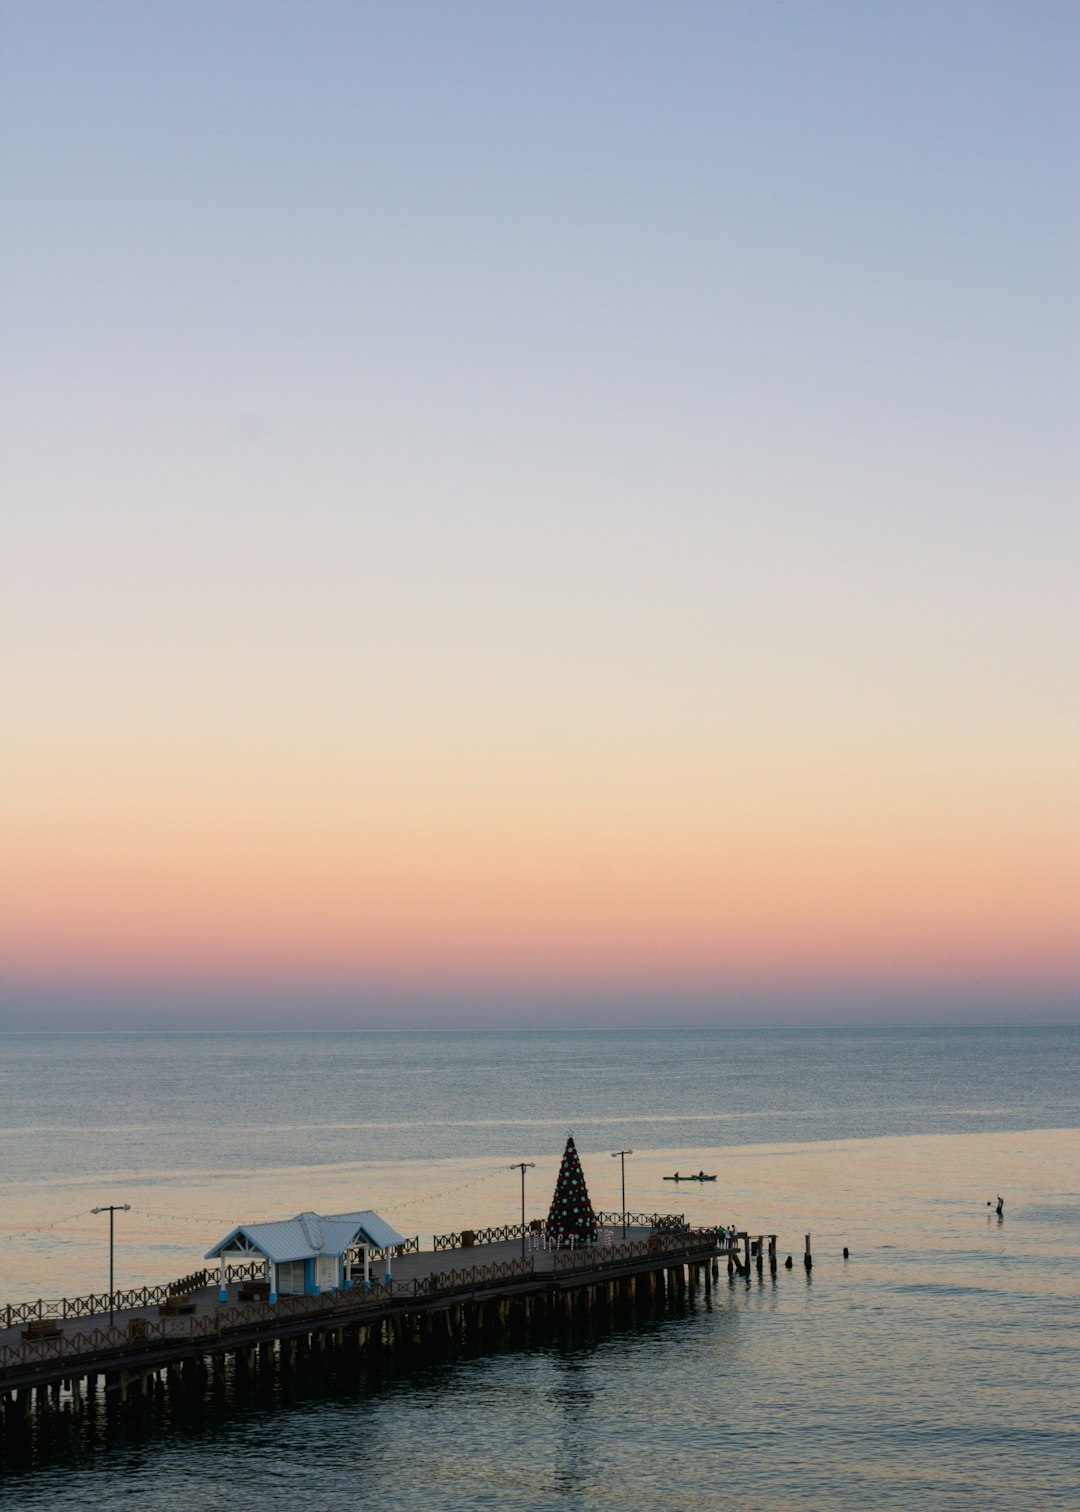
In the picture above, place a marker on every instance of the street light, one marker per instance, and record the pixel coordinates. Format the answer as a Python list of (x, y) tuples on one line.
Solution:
[(523, 1166), (621, 1156), (123, 1207)]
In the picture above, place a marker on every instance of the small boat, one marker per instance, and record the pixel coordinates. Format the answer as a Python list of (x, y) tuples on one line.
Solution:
[(701, 1176)]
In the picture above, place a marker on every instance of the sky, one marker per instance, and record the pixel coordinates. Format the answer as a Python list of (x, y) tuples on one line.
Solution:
[(529, 514)]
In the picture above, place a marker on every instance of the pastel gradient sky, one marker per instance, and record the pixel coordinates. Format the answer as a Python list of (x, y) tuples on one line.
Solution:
[(539, 514)]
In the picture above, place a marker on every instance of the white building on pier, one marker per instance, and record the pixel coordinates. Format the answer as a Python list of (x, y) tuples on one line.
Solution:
[(309, 1254)]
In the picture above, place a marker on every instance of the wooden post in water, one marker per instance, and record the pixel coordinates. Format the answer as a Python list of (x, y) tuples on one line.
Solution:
[(15, 1404), (807, 1260)]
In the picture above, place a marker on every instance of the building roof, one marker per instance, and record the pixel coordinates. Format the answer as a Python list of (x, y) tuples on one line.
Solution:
[(307, 1235), (375, 1230)]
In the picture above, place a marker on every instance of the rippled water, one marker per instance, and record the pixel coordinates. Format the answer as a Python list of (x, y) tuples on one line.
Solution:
[(938, 1366)]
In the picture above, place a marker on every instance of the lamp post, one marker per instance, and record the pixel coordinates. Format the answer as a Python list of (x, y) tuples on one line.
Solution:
[(621, 1155), (111, 1208), (523, 1166)]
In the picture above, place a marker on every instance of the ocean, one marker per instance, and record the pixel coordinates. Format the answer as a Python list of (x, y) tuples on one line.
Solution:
[(938, 1365)]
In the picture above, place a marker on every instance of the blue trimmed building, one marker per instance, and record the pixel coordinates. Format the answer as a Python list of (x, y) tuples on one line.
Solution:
[(310, 1253)]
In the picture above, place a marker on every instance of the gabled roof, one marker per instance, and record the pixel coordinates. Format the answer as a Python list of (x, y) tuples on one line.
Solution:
[(369, 1227), (307, 1235)]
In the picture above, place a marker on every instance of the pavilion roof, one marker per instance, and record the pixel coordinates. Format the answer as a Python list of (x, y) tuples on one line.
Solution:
[(308, 1235)]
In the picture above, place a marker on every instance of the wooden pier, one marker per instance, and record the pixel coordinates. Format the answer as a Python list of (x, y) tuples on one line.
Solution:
[(60, 1367)]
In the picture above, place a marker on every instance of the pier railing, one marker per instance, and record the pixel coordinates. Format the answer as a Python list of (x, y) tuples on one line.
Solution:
[(137, 1332), (468, 1237), (242, 1270), (466, 1278), (601, 1257), (674, 1222), (44, 1309), (353, 1299), (641, 1220), (409, 1247), (96, 1304)]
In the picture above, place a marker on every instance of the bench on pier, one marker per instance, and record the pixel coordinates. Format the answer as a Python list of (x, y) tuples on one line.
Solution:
[(43, 1328), (175, 1307), (254, 1291)]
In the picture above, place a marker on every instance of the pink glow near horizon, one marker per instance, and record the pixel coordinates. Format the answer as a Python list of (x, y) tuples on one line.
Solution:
[(539, 515)]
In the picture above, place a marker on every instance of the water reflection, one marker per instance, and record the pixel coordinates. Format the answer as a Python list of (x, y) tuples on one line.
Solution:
[(572, 1397)]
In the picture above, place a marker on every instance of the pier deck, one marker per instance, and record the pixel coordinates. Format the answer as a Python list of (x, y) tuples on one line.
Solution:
[(476, 1293)]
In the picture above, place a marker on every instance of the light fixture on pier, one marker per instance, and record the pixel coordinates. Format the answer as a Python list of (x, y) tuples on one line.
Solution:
[(621, 1155), (111, 1208), (523, 1166)]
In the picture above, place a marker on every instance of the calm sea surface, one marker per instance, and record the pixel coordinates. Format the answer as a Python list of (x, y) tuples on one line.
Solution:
[(938, 1366)]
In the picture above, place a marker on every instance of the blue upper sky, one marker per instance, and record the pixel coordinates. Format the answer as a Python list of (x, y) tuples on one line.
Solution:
[(541, 454)]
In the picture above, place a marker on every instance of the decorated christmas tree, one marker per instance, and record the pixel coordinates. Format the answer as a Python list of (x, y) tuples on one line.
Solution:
[(571, 1215)]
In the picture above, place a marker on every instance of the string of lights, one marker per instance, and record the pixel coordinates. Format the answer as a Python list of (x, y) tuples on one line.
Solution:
[(187, 1220), (209, 1220), (462, 1186), (54, 1223)]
